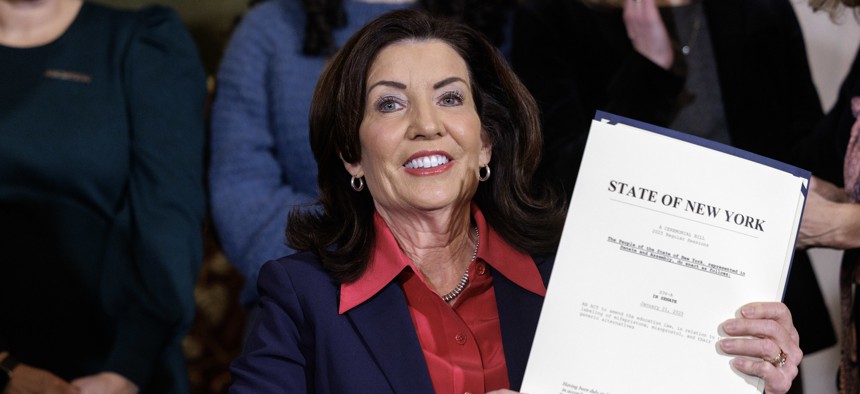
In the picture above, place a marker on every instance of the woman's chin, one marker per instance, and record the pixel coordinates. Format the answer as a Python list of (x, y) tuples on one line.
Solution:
[(430, 202)]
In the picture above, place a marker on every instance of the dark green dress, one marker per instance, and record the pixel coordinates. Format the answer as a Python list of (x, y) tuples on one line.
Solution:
[(101, 197)]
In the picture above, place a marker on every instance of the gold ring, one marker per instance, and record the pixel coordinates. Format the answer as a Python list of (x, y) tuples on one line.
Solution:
[(779, 360)]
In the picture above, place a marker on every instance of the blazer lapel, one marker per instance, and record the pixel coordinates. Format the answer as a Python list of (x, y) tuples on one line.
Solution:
[(389, 334), (519, 310)]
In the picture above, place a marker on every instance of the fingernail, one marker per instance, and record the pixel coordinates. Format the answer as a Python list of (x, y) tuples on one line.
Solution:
[(738, 363), (727, 345), (729, 326), (747, 311)]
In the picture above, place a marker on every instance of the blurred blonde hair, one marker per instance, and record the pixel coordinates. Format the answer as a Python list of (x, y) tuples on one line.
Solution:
[(835, 7)]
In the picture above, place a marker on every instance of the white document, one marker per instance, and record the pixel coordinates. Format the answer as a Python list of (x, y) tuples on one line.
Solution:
[(667, 236)]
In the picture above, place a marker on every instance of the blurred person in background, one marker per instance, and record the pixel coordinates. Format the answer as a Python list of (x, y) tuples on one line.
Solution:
[(101, 197)]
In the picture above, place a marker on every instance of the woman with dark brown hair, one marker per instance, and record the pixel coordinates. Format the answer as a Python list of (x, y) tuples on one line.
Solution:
[(261, 165), (427, 256)]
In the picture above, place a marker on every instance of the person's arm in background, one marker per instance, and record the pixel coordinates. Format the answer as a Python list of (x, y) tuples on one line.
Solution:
[(647, 85), (576, 60), (149, 281), (249, 192), (829, 220)]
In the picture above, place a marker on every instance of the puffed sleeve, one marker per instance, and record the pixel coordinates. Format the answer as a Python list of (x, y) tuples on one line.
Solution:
[(165, 88), (250, 193)]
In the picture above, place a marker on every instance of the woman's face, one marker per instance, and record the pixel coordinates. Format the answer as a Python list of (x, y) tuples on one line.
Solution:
[(421, 139)]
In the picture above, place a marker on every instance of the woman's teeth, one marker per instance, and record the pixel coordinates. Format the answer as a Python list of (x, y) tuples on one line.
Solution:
[(427, 162)]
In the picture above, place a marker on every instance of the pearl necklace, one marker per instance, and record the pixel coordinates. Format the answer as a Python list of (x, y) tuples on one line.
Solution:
[(453, 294)]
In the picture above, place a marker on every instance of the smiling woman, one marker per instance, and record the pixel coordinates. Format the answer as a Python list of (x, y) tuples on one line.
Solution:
[(432, 278), (421, 138), (414, 89), (414, 108)]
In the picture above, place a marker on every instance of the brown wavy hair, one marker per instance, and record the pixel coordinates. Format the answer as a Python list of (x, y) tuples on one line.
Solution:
[(339, 227)]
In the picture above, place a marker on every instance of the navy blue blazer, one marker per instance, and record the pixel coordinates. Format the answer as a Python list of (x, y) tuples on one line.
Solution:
[(301, 344)]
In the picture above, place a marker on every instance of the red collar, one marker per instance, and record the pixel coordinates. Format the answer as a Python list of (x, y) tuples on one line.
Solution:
[(387, 261)]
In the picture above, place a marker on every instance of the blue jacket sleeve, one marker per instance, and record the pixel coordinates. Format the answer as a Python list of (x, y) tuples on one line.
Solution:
[(250, 194)]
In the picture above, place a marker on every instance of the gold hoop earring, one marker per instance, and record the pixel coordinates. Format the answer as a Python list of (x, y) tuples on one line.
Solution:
[(359, 187), (486, 175)]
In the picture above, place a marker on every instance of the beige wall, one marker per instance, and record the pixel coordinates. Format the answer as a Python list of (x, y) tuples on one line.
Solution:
[(209, 21)]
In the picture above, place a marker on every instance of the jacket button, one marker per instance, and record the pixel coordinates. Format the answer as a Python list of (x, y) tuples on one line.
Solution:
[(460, 338)]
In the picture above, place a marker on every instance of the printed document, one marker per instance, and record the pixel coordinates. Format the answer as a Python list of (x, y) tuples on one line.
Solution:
[(667, 236)]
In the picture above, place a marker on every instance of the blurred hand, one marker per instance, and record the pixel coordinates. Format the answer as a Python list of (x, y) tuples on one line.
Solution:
[(29, 380), (828, 219), (647, 32), (105, 383), (764, 330)]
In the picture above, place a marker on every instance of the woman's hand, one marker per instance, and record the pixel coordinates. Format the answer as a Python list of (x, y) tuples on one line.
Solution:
[(769, 334), (829, 220), (647, 32), (105, 383), (29, 380)]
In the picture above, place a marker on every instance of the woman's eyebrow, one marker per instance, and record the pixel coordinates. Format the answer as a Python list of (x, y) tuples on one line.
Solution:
[(393, 84), (447, 81)]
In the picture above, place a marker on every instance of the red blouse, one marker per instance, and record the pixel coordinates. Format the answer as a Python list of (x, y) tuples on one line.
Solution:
[(462, 344)]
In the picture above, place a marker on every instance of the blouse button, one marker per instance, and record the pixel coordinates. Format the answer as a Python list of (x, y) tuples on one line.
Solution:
[(482, 269), (460, 338)]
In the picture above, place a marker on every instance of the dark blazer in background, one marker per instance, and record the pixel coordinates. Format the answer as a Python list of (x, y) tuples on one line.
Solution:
[(576, 60), (823, 152)]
